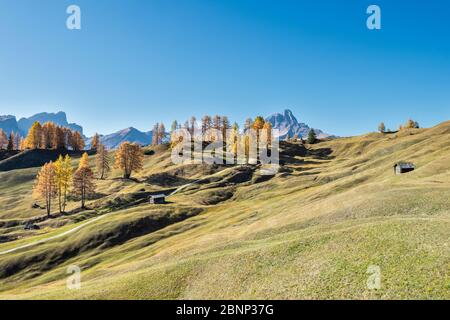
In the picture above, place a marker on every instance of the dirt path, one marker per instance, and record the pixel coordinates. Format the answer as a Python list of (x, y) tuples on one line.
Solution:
[(65, 233)]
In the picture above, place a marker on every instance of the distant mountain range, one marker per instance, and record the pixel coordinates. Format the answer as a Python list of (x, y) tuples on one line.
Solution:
[(59, 118), (285, 122), (10, 124)]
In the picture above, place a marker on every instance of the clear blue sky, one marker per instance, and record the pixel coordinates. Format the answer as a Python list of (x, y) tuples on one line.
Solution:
[(136, 62)]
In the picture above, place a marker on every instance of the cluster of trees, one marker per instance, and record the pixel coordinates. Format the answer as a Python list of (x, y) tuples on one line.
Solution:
[(410, 124), (220, 123), (207, 122), (230, 133), (57, 180), (46, 136), (51, 136), (11, 142), (236, 138)]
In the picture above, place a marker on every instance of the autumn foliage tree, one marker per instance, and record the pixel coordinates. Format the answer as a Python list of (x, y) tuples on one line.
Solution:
[(246, 142), (60, 138), (102, 162), (49, 135), (63, 175), (267, 128), (34, 138), (76, 141), (234, 140), (258, 124), (45, 186), (95, 141), (129, 157), (83, 180)]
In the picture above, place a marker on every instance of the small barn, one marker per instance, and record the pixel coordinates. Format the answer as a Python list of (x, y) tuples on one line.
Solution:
[(158, 199), (403, 167)]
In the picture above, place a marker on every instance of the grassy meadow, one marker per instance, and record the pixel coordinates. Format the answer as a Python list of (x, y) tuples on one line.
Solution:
[(310, 232)]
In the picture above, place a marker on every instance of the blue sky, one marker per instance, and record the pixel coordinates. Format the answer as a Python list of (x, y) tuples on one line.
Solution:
[(136, 62)]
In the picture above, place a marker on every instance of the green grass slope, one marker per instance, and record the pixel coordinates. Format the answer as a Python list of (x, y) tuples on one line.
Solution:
[(310, 232)]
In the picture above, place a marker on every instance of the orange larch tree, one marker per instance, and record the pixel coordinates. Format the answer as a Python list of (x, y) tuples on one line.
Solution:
[(45, 186), (102, 162), (129, 157), (83, 180)]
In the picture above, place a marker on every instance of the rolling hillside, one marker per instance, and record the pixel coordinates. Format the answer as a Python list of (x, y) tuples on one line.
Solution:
[(310, 232)]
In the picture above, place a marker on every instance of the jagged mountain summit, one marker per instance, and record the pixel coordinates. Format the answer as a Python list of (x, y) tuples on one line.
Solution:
[(288, 124)]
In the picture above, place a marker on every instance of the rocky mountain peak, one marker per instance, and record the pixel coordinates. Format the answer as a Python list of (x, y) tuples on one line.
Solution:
[(288, 124)]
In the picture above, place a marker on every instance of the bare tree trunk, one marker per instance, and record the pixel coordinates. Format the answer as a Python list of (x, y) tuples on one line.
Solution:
[(48, 206), (82, 198), (64, 200), (60, 200)]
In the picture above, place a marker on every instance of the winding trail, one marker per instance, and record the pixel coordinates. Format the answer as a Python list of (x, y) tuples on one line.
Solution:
[(65, 233)]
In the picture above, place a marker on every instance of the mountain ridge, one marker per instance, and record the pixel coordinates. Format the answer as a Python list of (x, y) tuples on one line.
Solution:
[(286, 122), (131, 134), (59, 118), (9, 123)]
